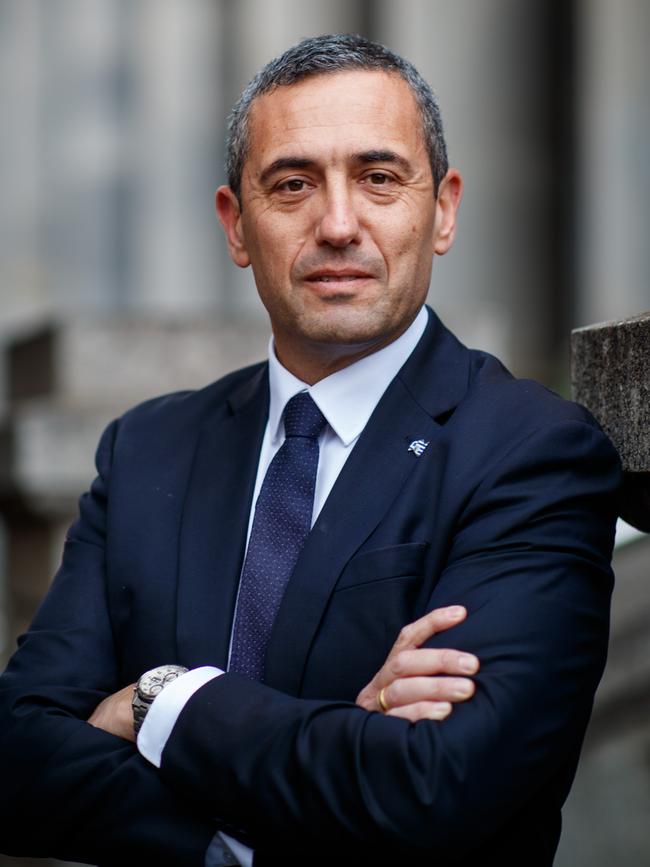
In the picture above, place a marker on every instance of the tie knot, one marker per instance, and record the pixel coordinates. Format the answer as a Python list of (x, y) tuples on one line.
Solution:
[(302, 418)]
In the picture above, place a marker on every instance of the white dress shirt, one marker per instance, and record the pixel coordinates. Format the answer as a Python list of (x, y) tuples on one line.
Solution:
[(347, 399)]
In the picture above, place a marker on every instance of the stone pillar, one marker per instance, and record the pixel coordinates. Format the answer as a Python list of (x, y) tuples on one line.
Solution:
[(613, 127), (610, 375), (173, 253), (81, 145)]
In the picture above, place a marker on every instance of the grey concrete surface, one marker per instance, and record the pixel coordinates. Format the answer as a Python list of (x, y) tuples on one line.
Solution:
[(610, 374)]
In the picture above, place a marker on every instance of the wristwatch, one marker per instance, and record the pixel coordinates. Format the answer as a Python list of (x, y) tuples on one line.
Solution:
[(148, 687)]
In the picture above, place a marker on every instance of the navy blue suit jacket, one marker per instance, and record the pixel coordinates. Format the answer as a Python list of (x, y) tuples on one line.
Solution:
[(509, 511)]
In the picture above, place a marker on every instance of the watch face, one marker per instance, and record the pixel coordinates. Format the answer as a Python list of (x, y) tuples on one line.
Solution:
[(154, 681)]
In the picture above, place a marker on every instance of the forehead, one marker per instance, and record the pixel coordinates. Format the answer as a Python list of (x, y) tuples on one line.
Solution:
[(342, 111)]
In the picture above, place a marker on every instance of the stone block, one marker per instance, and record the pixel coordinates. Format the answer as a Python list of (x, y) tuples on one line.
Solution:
[(66, 381), (47, 457), (610, 375), (118, 361)]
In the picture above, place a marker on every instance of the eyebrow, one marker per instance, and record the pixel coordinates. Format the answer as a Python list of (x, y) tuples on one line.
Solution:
[(285, 163), (362, 157), (382, 156)]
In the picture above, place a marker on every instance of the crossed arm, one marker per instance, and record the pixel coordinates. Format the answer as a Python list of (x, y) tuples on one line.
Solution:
[(415, 682), (420, 680)]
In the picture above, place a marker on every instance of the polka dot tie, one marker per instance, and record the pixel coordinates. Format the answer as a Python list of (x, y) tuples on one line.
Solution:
[(280, 527)]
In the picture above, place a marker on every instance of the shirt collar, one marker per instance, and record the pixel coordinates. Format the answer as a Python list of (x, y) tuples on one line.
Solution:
[(348, 397)]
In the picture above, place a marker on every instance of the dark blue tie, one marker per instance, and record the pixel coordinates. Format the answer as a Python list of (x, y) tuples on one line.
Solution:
[(280, 527)]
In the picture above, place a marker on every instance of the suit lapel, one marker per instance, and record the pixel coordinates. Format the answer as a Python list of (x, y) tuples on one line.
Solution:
[(214, 524), (427, 388)]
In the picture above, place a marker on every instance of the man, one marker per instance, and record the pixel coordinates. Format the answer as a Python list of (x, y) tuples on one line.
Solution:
[(432, 479)]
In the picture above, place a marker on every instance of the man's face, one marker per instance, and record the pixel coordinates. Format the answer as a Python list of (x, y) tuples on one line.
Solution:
[(338, 218)]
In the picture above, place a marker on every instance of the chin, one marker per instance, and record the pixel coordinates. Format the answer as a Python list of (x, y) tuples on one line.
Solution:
[(349, 327)]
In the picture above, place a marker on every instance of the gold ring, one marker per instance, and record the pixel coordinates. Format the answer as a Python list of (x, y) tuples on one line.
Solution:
[(381, 701)]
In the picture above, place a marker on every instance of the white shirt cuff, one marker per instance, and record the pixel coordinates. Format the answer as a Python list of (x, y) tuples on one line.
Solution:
[(242, 853), (166, 708)]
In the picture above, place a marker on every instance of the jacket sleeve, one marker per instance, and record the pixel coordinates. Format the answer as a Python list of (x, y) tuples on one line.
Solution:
[(530, 560), (70, 790)]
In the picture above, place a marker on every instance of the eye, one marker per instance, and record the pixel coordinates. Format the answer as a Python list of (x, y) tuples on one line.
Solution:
[(293, 185), (378, 179)]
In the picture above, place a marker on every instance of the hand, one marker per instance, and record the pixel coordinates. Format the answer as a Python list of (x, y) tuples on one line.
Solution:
[(115, 715), (409, 682)]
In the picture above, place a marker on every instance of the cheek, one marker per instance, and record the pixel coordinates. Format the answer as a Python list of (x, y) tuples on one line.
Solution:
[(408, 255), (268, 254), (269, 272), (406, 247), (277, 242)]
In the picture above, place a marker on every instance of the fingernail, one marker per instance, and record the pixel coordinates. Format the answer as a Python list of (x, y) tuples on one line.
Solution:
[(462, 690), (468, 663), (454, 611), (441, 710)]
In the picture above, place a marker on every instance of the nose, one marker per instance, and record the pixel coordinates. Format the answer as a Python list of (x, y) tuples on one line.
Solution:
[(338, 225)]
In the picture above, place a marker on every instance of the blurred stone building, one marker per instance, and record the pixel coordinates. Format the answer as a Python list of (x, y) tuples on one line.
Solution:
[(115, 283)]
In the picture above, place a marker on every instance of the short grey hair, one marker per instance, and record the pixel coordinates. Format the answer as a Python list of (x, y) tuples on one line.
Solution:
[(322, 55)]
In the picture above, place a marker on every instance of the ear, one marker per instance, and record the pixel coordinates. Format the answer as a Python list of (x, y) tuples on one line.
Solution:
[(450, 192), (229, 213)]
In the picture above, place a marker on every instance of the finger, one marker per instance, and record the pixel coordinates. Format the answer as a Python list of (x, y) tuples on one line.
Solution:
[(412, 690), (416, 633), (429, 661), (422, 710)]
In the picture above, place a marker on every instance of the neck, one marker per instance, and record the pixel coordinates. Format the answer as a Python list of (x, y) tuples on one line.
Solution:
[(322, 361)]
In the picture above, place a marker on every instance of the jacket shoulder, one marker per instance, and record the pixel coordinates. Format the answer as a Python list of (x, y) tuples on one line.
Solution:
[(189, 408), (513, 401)]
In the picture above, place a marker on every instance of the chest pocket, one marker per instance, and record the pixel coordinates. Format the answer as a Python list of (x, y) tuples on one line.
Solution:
[(382, 564), (376, 595)]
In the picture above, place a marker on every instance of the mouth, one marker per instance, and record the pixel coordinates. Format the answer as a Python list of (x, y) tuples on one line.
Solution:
[(338, 277)]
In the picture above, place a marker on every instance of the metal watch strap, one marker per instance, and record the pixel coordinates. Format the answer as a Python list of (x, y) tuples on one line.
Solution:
[(150, 685), (140, 709)]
